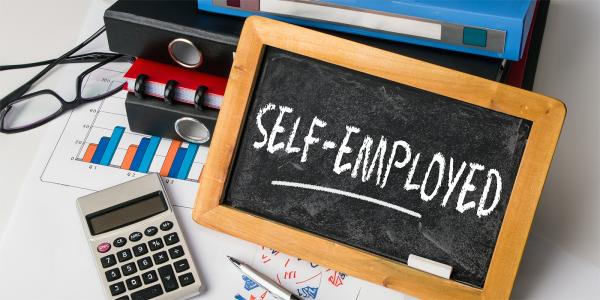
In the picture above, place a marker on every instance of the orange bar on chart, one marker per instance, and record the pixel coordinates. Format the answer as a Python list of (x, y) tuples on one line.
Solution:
[(129, 157), (164, 171), (89, 153)]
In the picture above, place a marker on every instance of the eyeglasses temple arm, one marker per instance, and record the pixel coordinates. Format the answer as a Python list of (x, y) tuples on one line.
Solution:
[(81, 58), (20, 91)]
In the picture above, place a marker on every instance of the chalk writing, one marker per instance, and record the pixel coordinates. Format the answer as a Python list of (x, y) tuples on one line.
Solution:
[(373, 159)]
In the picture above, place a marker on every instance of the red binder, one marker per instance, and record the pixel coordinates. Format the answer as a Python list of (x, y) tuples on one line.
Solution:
[(187, 82)]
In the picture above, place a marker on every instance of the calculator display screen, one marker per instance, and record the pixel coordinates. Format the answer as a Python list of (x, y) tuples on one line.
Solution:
[(126, 213)]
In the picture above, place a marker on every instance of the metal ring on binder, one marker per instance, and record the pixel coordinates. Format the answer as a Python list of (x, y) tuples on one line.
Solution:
[(185, 53), (192, 130)]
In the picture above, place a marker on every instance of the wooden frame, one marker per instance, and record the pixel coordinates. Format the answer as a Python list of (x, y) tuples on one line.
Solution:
[(546, 113)]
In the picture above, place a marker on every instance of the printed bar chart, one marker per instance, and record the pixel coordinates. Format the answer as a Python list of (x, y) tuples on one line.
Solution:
[(174, 171), (89, 153), (100, 150), (186, 164), (126, 164), (149, 154), (97, 149), (164, 170), (111, 147), (140, 157), (139, 154)]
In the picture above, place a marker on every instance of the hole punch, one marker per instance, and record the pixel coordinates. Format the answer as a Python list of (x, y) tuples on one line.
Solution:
[(140, 86), (199, 97), (170, 88)]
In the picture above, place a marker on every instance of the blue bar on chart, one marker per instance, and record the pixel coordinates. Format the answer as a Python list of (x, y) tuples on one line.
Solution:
[(139, 154), (149, 154), (186, 165), (177, 162), (111, 147), (100, 150)]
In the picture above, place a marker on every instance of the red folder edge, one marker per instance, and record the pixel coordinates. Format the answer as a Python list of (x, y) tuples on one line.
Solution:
[(159, 73)]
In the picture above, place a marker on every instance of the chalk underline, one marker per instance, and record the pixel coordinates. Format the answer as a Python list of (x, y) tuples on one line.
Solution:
[(347, 194)]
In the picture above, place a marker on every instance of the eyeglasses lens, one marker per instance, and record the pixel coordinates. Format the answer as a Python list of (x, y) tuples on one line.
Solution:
[(104, 80), (31, 110)]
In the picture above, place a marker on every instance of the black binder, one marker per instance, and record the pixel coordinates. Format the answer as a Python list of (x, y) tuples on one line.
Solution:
[(145, 29)]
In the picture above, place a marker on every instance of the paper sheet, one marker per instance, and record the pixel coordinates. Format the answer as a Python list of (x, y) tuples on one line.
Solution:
[(86, 126), (303, 278)]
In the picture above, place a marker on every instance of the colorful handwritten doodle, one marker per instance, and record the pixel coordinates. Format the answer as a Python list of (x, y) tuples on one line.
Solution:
[(308, 292), (249, 284), (263, 295), (289, 275), (267, 257), (252, 297), (310, 278), (336, 278), (310, 281)]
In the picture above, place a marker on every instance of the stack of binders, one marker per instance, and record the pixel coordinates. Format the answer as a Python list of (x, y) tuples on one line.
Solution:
[(202, 44), (147, 28)]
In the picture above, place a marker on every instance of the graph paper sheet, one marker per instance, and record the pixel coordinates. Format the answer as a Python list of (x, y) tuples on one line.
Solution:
[(96, 149)]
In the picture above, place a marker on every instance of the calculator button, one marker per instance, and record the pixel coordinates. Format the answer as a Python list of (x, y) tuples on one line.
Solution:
[(149, 277), (160, 257), (128, 269), (117, 288), (155, 244), (181, 265), (108, 261), (103, 248), (144, 263), (133, 283), (147, 293), (176, 252), (119, 242), (124, 255), (186, 279), (123, 298), (166, 225), (136, 236), (150, 231), (112, 274), (168, 278), (140, 249), (171, 238)]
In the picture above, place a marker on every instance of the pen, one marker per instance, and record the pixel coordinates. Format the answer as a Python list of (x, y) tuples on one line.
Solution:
[(262, 280)]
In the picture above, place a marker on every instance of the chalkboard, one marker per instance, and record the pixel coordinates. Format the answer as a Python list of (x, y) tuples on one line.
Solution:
[(356, 158), (286, 176)]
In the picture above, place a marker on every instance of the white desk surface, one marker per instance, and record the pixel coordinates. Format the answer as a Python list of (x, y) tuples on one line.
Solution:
[(562, 259)]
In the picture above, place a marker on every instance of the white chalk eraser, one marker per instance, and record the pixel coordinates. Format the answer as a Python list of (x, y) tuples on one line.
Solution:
[(429, 266)]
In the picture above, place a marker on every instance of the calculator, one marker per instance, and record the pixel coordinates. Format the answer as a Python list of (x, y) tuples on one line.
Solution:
[(137, 244)]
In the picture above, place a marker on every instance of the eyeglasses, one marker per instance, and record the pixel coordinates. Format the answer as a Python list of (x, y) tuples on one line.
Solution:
[(20, 111)]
